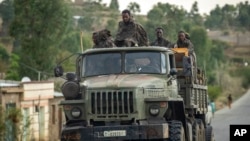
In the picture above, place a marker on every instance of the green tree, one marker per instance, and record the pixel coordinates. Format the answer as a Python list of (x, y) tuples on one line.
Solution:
[(156, 14), (222, 17), (4, 58), (134, 7), (114, 5), (86, 23), (10, 121), (39, 26), (228, 17), (244, 15), (199, 39), (194, 15), (213, 21), (112, 26), (7, 14), (170, 17), (12, 73)]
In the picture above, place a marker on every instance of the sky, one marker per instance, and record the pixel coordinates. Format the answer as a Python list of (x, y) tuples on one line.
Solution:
[(205, 6)]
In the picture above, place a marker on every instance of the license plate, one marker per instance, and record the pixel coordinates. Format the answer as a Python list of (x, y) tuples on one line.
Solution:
[(114, 133)]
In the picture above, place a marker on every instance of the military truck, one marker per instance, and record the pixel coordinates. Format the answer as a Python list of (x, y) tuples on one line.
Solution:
[(135, 93)]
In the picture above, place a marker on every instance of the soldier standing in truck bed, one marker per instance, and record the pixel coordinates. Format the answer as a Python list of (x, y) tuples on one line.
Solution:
[(184, 42), (160, 41), (130, 33)]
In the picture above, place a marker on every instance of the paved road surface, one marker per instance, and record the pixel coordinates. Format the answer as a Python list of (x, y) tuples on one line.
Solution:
[(238, 114)]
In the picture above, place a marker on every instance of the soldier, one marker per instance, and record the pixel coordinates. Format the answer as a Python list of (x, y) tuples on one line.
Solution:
[(160, 41), (102, 39), (130, 33), (183, 41)]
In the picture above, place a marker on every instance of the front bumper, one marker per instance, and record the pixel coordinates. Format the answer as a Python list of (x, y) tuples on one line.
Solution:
[(118, 132)]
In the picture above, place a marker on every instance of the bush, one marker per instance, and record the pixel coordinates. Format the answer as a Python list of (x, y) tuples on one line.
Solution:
[(214, 92), (244, 73), (13, 124)]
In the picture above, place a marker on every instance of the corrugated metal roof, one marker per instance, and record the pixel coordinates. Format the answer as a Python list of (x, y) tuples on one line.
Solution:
[(9, 83), (58, 94)]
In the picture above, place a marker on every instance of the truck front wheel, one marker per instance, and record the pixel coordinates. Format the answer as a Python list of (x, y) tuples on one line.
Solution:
[(176, 131)]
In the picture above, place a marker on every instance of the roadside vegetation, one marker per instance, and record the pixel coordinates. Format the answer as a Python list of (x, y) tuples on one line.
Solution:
[(35, 35), (13, 125)]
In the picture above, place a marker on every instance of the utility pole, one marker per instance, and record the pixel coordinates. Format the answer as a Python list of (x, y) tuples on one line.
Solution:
[(81, 35)]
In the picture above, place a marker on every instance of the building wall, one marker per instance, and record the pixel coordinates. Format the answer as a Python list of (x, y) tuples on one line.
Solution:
[(57, 119), (38, 90), (33, 99), (38, 115), (10, 95), (36, 97), (10, 98)]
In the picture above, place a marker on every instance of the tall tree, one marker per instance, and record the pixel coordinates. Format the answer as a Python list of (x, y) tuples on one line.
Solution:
[(228, 16), (199, 39), (194, 15), (134, 7), (170, 17), (4, 58), (38, 26), (12, 73), (244, 15), (114, 5), (7, 14), (214, 19)]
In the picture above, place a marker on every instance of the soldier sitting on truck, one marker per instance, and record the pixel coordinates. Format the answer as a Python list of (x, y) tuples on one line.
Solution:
[(160, 41), (184, 42), (130, 33), (103, 39)]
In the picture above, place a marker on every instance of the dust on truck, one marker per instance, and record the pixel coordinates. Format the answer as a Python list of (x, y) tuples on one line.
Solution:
[(135, 93)]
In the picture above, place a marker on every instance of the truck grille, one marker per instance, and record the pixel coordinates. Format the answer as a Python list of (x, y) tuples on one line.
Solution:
[(112, 102)]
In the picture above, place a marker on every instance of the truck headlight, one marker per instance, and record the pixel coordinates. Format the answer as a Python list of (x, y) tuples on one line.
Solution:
[(154, 110), (70, 90), (76, 112)]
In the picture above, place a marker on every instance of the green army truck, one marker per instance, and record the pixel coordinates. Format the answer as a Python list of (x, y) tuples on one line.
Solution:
[(135, 93)]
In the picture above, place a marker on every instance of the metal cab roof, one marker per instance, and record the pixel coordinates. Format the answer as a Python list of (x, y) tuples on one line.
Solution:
[(120, 49)]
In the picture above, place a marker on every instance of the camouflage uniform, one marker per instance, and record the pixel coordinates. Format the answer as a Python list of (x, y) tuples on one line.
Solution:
[(185, 44), (132, 33), (161, 42), (103, 39), (188, 44)]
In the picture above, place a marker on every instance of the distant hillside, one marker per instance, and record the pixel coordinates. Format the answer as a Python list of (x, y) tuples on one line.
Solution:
[(240, 43)]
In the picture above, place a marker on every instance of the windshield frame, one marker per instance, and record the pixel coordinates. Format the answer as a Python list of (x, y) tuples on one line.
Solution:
[(164, 69)]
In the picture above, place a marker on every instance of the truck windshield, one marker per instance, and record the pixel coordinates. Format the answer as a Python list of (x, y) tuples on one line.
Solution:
[(133, 62), (144, 62), (101, 64)]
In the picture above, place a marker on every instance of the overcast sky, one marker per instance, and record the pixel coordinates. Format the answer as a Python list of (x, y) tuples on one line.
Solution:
[(204, 6)]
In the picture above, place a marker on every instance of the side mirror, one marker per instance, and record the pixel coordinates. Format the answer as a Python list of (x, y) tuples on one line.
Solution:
[(173, 71), (58, 71)]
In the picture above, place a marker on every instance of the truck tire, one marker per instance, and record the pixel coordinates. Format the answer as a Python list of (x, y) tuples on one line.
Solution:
[(176, 131), (209, 133), (195, 131), (202, 130)]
